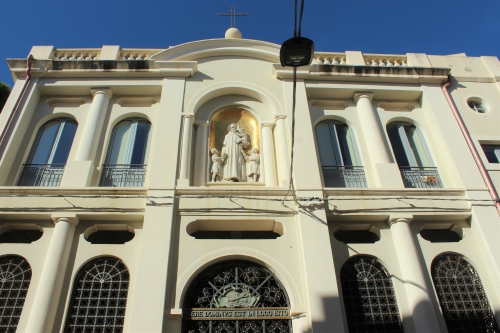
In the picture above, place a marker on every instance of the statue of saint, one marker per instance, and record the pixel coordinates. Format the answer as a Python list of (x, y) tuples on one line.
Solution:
[(233, 154)]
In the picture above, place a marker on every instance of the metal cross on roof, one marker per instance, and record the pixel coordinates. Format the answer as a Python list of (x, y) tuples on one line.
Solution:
[(233, 15)]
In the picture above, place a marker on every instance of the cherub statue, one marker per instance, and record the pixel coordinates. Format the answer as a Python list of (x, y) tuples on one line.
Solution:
[(216, 166), (254, 167), (243, 141)]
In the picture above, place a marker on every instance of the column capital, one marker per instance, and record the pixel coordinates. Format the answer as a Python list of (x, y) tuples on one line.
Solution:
[(270, 125), (362, 94), (71, 218), (105, 91), (190, 116), (402, 218), (202, 124), (280, 117)]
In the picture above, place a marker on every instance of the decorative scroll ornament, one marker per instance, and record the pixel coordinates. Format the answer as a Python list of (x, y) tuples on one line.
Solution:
[(236, 297)]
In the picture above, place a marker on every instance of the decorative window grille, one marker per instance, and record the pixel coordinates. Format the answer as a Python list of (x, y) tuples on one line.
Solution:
[(99, 297), (260, 284), (413, 156), (50, 151), (128, 151), (338, 154), (15, 277), (461, 295), (369, 299)]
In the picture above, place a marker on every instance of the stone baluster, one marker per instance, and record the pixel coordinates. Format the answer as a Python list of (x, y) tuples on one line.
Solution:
[(200, 154), (268, 152), (413, 276), (47, 295)]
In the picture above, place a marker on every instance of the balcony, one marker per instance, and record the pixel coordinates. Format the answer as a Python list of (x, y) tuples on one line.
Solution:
[(344, 176), (41, 175), (421, 177), (123, 175)]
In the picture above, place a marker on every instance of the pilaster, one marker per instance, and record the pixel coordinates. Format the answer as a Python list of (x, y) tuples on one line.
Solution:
[(187, 129), (201, 154), (268, 152)]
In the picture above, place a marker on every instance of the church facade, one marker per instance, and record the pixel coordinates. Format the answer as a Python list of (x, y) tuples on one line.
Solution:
[(156, 191)]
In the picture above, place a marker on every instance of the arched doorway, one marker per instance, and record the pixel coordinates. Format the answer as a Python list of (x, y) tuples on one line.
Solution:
[(236, 297)]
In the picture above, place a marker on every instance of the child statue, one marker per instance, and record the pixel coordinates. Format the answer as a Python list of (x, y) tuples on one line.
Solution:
[(216, 166), (254, 167)]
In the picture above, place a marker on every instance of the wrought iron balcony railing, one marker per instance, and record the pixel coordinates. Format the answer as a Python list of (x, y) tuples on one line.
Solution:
[(123, 175), (344, 176), (421, 177), (41, 175)]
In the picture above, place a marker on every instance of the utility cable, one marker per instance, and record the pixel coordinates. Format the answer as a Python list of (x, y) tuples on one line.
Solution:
[(291, 187)]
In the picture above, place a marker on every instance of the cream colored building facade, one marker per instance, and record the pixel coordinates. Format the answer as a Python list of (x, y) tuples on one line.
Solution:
[(362, 204)]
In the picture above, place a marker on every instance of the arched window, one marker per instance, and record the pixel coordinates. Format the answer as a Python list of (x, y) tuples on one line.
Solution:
[(99, 297), (236, 296), (338, 154), (413, 156), (369, 299), (48, 156), (15, 278), (461, 295), (127, 154)]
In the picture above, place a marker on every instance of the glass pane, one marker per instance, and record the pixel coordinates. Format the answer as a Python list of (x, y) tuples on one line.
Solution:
[(325, 145), (417, 146), (346, 145), (397, 145), (120, 142), (490, 154), (141, 142), (64, 144), (45, 142)]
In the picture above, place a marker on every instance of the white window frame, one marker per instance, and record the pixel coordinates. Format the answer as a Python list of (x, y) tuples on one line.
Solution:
[(407, 147), (55, 144), (337, 152)]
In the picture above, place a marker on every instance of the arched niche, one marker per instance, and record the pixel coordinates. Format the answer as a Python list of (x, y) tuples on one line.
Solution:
[(216, 96), (242, 117), (249, 297), (261, 110)]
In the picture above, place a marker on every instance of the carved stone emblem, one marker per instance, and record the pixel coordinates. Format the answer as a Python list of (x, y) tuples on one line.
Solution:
[(236, 297)]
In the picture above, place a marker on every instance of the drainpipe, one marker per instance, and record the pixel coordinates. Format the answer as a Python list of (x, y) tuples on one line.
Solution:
[(29, 62), (472, 147)]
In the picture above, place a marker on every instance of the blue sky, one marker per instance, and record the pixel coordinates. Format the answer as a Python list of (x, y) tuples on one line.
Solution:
[(398, 27)]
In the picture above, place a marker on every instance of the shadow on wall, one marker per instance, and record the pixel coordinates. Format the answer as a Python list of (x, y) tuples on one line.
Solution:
[(333, 312)]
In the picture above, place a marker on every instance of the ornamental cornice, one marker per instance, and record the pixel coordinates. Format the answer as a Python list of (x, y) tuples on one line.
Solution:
[(107, 68), (335, 72)]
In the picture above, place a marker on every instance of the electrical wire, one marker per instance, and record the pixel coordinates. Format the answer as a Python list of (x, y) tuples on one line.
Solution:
[(291, 187)]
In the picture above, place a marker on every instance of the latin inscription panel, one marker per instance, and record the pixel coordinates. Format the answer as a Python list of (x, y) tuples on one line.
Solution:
[(236, 314)]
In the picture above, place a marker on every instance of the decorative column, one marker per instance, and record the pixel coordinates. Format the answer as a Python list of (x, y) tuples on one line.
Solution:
[(268, 152), (44, 307), (422, 312), (186, 150), (282, 151), (79, 172), (372, 131), (200, 154), (93, 124)]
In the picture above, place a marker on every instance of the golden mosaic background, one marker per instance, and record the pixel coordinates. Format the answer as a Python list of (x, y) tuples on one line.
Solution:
[(243, 118)]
